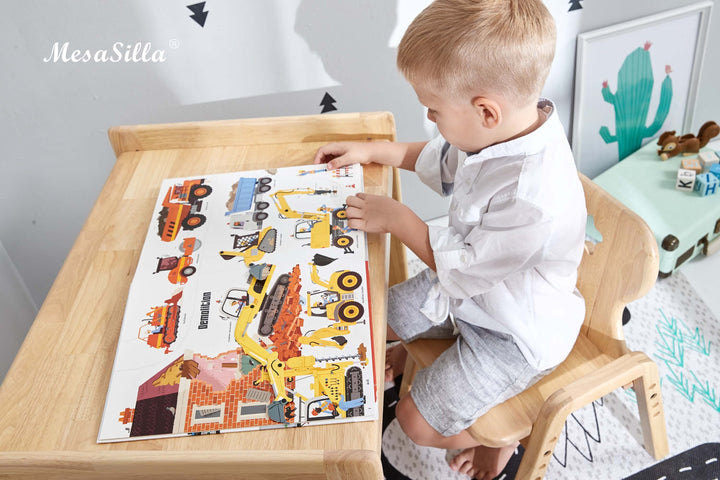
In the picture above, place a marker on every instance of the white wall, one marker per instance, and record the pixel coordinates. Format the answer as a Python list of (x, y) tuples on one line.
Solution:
[(17, 311), (253, 58)]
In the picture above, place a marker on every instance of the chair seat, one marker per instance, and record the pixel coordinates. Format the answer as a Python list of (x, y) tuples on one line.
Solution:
[(513, 419)]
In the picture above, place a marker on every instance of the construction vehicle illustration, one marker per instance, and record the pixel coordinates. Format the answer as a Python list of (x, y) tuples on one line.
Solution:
[(160, 330), (337, 173), (179, 268), (252, 247), (180, 208), (329, 380), (235, 299), (271, 304), (337, 302), (287, 325), (274, 304), (351, 404), (323, 227), (246, 207), (303, 172)]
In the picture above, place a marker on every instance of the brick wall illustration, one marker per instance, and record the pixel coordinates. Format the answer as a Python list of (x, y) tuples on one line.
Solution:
[(215, 382), (203, 394)]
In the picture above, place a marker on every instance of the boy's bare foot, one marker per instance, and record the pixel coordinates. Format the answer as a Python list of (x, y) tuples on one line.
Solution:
[(394, 361), (482, 463)]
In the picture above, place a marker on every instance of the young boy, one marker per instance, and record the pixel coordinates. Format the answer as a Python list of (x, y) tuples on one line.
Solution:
[(502, 274)]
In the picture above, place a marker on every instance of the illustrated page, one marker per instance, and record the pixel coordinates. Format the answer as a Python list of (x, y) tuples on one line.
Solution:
[(249, 309)]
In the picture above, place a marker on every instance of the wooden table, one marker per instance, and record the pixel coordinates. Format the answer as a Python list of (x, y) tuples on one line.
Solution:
[(53, 396)]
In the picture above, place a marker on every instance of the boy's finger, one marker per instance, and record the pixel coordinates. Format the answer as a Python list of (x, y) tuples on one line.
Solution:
[(319, 156), (353, 213), (322, 157), (354, 201), (357, 224), (339, 161), (327, 153)]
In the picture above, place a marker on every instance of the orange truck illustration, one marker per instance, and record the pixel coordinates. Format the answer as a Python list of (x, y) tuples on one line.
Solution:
[(160, 329), (181, 207), (179, 268)]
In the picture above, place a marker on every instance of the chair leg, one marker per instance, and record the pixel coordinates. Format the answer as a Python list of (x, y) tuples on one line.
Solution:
[(635, 368), (540, 446), (652, 414), (408, 375)]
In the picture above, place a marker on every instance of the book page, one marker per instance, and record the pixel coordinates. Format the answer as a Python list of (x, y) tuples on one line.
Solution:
[(249, 309)]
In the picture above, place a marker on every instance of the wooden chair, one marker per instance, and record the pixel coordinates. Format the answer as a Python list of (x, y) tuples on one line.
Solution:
[(619, 269)]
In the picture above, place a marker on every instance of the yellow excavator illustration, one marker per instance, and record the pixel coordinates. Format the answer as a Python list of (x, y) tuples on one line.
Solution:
[(324, 227), (329, 380), (337, 302)]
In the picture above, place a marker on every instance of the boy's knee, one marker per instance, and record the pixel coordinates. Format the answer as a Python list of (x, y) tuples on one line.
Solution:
[(414, 424)]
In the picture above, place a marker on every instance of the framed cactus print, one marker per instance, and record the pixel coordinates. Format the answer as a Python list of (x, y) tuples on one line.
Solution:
[(634, 81)]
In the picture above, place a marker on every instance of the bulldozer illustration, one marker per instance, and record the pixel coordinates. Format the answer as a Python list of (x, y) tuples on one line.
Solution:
[(160, 329), (253, 247)]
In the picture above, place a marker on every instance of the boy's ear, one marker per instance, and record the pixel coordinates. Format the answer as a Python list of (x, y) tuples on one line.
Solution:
[(488, 110)]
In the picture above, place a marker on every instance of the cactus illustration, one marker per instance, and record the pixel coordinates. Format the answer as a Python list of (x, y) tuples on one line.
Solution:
[(632, 102)]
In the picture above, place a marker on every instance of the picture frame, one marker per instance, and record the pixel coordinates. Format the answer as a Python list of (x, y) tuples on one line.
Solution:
[(641, 75)]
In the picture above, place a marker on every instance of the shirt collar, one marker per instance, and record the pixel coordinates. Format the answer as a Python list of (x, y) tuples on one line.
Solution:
[(528, 144)]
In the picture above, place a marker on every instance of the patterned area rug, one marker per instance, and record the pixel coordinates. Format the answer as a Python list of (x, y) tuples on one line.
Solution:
[(603, 440)]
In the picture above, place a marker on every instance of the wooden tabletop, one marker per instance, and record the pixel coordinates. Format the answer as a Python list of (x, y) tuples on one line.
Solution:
[(53, 396)]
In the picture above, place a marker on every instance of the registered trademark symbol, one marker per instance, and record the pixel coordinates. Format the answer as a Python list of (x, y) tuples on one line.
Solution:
[(174, 43)]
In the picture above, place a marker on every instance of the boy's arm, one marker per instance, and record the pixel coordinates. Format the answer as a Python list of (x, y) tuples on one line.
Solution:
[(340, 154), (380, 214), (413, 233)]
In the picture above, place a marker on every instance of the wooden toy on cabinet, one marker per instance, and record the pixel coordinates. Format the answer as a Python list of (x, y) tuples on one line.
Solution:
[(671, 145), (652, 193)]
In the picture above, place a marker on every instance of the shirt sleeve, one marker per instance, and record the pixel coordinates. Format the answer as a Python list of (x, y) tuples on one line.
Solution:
[(436, 165), (508, 240)]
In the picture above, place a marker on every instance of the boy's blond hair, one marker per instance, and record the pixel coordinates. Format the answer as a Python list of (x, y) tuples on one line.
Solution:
[(470, 47)]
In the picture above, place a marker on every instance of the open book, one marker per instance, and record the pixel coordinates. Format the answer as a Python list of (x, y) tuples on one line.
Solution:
[(249, 309)]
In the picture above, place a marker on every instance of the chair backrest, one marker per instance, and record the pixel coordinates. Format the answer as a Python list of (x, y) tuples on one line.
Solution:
[(621, 267)]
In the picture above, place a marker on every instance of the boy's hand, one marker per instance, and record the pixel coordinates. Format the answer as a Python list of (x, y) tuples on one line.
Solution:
[(380, 214), (393, 154), (371, 213), (340, 154)]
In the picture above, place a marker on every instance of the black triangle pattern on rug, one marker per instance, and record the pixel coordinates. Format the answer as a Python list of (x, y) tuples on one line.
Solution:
[(698, 463)]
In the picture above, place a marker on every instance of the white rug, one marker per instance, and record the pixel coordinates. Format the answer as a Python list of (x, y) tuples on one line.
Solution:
[(603, 440)]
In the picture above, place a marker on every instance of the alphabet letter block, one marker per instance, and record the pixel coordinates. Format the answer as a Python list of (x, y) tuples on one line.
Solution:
[(715, 170), (708, 159), (685, 180), (692, 164), (706, 184)]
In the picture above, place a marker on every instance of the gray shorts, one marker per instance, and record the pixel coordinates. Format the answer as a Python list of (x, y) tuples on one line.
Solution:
[(483, 368)]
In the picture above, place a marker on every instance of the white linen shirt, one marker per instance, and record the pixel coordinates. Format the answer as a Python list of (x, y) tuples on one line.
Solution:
[(508, 259)]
